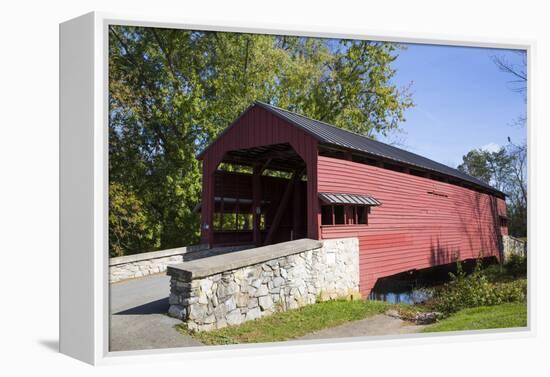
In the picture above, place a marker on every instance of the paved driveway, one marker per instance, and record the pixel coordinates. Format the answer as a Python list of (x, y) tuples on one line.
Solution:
[(138, 316)]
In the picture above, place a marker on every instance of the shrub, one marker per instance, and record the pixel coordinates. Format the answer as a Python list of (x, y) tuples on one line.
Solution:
[(514, 268), (476, 290), (516, 265), (496, 272), (514, 291)]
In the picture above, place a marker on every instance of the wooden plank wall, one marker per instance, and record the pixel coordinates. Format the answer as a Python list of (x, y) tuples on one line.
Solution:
[(412, 229)]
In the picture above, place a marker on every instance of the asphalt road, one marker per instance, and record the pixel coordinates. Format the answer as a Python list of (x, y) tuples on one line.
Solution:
[(138, 316)]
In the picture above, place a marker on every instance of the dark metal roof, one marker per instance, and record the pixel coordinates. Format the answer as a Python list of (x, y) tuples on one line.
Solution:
[(329, 134), (336, 198)]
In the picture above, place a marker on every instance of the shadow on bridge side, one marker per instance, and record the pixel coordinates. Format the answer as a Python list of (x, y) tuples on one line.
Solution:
[(440, 255), (478, 232)]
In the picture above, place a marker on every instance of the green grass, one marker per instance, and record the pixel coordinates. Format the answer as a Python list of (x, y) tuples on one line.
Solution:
[(483, 317), (293, 323)]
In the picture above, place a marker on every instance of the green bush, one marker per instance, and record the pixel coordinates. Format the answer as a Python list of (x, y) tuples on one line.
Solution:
[(496, 272), (516, 266), (476, 290), (514, 291)]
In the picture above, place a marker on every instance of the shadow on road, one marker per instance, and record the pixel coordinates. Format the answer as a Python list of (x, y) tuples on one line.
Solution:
[(153, 307)]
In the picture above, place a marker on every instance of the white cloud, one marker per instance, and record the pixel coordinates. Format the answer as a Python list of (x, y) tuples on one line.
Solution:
[(491, 147)]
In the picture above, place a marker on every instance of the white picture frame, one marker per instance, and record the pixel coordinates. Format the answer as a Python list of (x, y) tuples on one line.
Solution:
[(84, 286)]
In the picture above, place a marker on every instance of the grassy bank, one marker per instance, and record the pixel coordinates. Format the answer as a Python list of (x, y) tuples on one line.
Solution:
[(483, 317), (293, 323), (493, 297), (490, 298)]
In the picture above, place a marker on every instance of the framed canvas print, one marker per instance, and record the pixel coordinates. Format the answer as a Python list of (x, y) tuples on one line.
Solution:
[(226, 187)]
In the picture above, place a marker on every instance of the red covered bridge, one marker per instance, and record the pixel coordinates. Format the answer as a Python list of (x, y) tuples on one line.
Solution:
[(305, 178)]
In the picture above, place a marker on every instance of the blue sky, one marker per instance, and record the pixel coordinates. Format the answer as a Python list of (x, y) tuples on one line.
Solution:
[(462, 101)]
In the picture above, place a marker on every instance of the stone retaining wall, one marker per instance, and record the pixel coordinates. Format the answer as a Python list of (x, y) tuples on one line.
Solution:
[(241, 286), (143, 264), (513, 246)]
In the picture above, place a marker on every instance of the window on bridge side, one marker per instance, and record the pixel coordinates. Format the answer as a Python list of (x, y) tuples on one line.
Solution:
[(344, 215)]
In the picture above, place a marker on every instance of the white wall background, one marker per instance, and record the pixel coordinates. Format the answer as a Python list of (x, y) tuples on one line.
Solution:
[(29, 183)]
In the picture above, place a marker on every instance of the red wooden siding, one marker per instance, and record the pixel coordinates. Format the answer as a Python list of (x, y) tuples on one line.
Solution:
[(412, 229), (258, 127)]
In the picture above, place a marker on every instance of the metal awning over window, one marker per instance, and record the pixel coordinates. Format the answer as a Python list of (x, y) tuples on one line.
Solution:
[(355, 199)]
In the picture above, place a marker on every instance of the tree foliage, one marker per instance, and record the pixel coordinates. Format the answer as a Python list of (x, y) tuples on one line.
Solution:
[(490, 167), (475, 164), (517, 192), (130, 228), (506, 170), (171, 92)]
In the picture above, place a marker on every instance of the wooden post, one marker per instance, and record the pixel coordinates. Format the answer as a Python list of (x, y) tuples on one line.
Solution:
[(313, 208), (257, 204), (282, 206), (222, 209), (296, 210), (207, 211), (222, 213)]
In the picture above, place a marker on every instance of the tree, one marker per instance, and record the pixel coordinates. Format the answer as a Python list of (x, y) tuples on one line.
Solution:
[(491, 167), (475, 164), (171, 92), (506, 170), (517, 70), (130, 229), (153, 117), (517, 189)]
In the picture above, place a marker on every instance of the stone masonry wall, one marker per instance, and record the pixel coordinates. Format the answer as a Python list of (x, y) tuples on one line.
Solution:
[(249, 292), (141, 268), (513, 246), (138, 265)]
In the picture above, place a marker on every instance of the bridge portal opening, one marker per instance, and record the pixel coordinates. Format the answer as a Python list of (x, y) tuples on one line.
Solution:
[(260, 197)]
